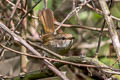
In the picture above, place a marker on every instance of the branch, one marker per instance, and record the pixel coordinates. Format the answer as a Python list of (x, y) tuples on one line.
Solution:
[(52, 59), (70, 14), (73, 60), (46, 50), (76, 59), (13, 12), (27, 13), (111, 27), (24, 43), (81, 26)]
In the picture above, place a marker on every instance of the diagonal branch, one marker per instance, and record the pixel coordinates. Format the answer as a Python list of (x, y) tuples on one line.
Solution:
[(27, 14), (24, 43)]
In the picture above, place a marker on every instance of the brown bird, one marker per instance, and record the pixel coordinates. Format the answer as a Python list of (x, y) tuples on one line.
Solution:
[(60, 42)]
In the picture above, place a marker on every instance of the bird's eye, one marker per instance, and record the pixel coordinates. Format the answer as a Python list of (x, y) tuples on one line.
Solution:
[(63, 38)]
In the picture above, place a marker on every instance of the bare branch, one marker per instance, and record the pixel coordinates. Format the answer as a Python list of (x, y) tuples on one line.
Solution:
[(111, 27), (24, 43)]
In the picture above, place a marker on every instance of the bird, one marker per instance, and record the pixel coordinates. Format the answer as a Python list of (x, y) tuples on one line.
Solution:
[(60, 42)]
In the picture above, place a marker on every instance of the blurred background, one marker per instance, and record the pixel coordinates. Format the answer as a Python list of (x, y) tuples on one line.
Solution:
[(85, 25)]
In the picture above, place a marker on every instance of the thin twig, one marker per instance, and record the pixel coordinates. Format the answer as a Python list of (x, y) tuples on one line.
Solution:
[(27, 13), (81, 26), (13, 12), (17, 6), (22, 9), (100, 37), (70, 14), (118, 19), (2, 54), (101, 13)]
